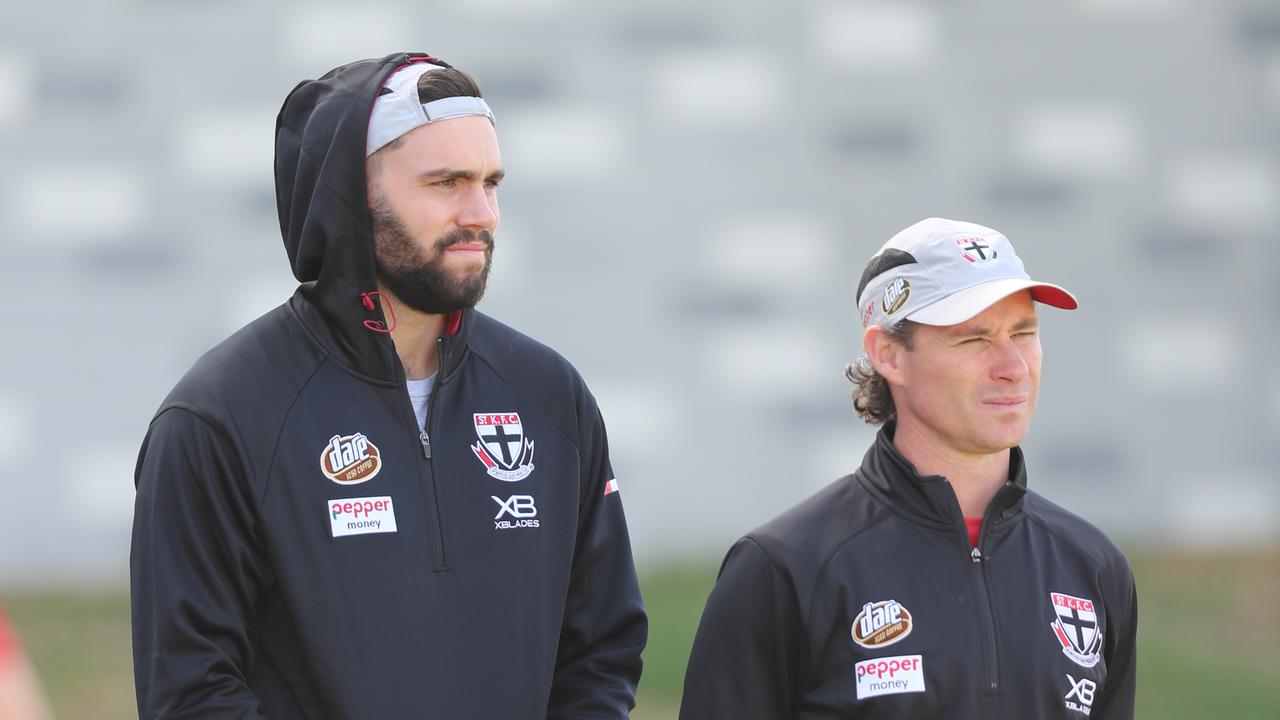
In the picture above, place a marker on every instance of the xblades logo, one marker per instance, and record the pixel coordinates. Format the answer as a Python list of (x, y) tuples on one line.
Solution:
[(1082, 690), (520, 507)]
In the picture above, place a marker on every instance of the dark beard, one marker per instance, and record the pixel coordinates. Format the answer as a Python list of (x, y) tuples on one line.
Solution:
[(419, 280)]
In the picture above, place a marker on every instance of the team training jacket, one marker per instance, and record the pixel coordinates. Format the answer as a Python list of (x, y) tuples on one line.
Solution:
[(301, 549), (868, 601)]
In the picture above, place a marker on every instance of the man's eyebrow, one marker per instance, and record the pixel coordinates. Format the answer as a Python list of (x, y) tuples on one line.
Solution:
[(457, 174), (983, 331), (1029, 323), (974, 331)]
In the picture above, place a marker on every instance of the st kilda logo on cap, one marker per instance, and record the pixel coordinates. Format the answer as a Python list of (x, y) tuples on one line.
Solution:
[(896, 295), (977, 251), (350, 459), (881, 623)]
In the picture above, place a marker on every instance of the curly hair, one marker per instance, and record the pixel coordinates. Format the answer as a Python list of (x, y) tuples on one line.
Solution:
[(872, 400)]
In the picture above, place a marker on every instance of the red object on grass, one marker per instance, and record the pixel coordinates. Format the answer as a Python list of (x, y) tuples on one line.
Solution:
[(9, 643)]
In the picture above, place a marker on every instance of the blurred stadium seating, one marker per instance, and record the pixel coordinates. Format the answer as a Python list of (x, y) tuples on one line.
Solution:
[(693, 189)]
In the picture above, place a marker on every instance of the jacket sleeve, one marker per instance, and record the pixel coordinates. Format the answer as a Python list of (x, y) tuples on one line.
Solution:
[(1115, 699), (746, 657), (195, 573), (605, 627)]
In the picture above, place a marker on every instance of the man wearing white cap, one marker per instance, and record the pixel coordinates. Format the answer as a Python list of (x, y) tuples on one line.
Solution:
[(930, 582), (375, 501)]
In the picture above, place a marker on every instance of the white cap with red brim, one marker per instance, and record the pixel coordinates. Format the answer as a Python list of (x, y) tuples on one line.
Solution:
[(944, 272)]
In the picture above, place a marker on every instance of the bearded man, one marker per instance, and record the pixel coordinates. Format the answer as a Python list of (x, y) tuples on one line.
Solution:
[(375, 501)]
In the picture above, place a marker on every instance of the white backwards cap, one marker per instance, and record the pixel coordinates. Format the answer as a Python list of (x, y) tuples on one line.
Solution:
[(397, 109)]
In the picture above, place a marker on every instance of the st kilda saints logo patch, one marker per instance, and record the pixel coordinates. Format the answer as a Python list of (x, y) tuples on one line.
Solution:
[(881, 623), (505, 451), (977, 251), (1076, 628), (350, 459)]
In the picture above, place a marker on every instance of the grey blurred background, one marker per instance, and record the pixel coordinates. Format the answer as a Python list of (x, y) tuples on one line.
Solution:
[(692, 192)]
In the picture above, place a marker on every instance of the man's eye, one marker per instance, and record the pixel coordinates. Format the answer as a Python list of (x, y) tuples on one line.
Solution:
[(446, 183)]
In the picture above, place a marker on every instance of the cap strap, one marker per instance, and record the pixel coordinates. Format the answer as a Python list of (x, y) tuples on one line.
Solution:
[(452, 107)]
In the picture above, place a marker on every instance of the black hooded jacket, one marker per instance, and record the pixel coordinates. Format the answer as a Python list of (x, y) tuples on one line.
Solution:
[(867, 601), (301, 549)]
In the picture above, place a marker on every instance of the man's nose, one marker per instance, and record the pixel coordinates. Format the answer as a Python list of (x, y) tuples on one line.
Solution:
[(1011, 364), (479, 208)]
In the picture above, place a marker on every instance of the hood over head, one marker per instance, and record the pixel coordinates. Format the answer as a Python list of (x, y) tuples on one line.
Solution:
[(321, 198)]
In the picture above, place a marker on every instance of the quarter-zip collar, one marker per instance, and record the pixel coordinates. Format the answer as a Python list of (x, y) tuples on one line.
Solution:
[(929, 499), (452, 347)]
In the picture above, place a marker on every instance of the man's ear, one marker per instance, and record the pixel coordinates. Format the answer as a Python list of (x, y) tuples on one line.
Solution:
[(884, 353)]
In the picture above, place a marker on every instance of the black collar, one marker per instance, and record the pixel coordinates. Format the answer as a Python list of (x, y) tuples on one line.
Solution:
[(930, 498), (370, 353)]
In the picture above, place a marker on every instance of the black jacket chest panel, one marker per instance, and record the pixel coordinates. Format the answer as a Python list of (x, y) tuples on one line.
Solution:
[(325, 579), (867, 600), (931, 574)]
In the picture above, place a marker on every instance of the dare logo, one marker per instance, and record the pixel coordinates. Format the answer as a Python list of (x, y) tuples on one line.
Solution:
[(350, 459), (895, 295), (881, 623)]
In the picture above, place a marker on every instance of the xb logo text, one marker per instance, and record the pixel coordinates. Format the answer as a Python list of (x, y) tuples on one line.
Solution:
[(1082, 690), (519, 507)]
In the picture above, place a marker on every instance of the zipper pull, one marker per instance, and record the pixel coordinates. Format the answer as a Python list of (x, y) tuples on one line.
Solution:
[(976, 554), (426, 444)]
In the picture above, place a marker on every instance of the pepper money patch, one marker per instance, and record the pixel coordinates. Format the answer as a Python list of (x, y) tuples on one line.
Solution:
[(504, 449), (889, 676), (362, 516)]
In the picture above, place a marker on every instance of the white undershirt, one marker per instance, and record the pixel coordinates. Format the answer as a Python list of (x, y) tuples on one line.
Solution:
[(419, 396)]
